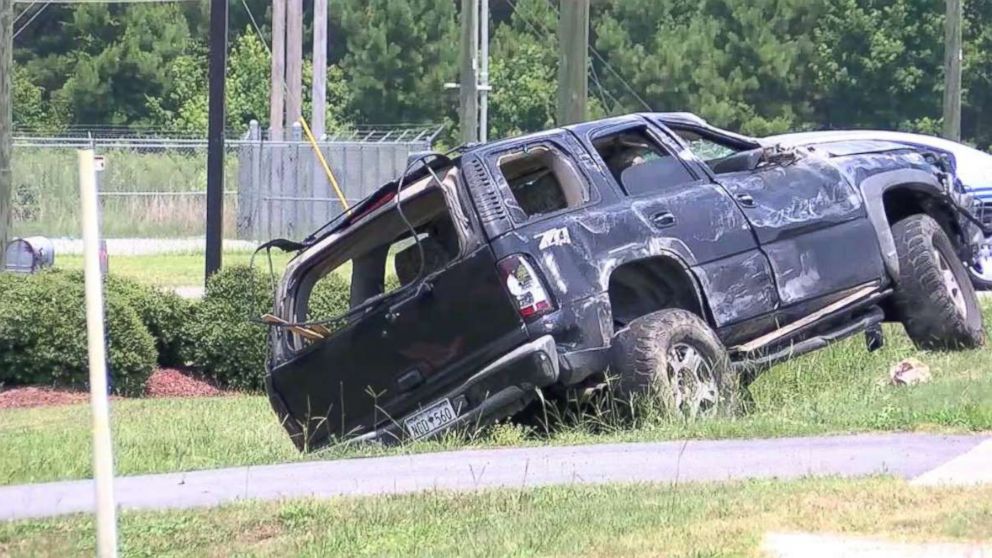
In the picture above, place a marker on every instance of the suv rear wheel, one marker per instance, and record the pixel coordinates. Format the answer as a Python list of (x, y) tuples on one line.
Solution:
[(934, 295), (673, 355)]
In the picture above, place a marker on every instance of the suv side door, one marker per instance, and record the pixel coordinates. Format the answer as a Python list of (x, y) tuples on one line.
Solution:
[(675, 201), (808, 219)]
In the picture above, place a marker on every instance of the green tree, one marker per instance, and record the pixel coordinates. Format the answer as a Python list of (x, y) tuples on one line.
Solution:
[(879, 64), (739, 63), (400, 53), (247, 90), (523, 70)]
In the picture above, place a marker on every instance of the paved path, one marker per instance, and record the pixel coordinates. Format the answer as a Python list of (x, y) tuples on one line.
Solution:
[(904, 455)]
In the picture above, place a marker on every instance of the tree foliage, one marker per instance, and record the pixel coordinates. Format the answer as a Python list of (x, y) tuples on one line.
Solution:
[(760, 66)]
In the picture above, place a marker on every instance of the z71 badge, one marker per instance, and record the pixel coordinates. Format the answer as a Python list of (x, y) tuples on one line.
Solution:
[(554, 237)]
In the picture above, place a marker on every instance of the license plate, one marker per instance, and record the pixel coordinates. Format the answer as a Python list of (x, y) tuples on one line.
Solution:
[(431, 419)]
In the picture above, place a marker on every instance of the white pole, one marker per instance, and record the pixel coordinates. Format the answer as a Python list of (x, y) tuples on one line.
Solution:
[(103, 459), (484, 71)]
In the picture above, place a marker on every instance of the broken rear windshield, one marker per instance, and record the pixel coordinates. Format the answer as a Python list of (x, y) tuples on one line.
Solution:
[(382, 254)]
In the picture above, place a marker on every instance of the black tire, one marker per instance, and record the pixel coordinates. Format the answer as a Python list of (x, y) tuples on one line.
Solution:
[(934, 297), (649, 358)]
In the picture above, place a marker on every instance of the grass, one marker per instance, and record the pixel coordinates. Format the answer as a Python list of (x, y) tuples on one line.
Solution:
[(639, 520), (173, 270), (835, 390), (46, 192)]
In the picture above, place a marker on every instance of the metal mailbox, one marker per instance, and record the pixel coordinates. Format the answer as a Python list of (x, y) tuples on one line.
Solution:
[(29, 255)]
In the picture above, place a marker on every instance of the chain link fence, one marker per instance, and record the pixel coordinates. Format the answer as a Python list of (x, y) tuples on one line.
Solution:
[(155, 187)]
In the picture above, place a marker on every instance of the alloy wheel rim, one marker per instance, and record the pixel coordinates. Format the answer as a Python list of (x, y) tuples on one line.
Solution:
[(694, 385), (951, 284)]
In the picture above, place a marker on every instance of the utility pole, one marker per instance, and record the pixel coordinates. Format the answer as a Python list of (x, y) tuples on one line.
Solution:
[(215, 135), (573, 61), (484, 87), (319, 93), (468, 91), (294, 59), (277, 92), (952, 70), (6, 121)]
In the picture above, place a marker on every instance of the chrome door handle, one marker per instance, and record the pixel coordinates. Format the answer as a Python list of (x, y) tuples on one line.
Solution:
[(663, 219), (745, 200)]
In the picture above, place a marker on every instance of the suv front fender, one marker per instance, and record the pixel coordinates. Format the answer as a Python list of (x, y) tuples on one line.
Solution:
[(873, 190)]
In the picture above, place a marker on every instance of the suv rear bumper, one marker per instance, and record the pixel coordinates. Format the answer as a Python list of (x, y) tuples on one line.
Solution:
[(500, 389)]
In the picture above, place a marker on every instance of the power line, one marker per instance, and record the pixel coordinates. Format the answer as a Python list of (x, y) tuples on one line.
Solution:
[(595, 53), (619, 77), (32, 18)]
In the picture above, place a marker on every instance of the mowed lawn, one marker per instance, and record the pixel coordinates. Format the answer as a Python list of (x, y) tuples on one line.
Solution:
[(610, 520), (174, 270), (836, 390)]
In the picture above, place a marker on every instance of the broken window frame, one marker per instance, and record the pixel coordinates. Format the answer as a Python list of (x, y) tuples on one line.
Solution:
[(590, 195), (317, 261), (659, 143)]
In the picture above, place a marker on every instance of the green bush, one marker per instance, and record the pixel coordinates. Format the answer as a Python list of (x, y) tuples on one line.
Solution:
[(164, 313), (330, 298), (43, 334), (224, 341)]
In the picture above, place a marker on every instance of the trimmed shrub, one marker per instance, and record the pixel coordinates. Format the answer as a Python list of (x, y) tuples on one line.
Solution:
[(43, 334), (224, 341), (164, 313), (331, 297)]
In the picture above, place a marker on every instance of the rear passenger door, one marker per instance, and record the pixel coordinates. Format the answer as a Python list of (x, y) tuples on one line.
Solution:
[(677, 203)]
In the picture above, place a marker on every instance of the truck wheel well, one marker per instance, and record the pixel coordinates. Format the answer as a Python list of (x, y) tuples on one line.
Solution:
[(644, 286), (901, 202)]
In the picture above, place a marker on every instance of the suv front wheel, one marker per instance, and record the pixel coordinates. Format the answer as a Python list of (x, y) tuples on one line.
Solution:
[(675, 357), (934, 296)]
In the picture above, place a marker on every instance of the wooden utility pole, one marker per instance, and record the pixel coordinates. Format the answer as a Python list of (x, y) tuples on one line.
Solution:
[(6, 121), (468, 91), (216, 77), (952, 70), (573, 61), (277, 91), (294, 60), (319, 93)]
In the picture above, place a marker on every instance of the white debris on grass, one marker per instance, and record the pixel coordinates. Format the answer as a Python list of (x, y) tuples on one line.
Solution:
[(909, 372), (150, 246), (974, 467), (808, 545)]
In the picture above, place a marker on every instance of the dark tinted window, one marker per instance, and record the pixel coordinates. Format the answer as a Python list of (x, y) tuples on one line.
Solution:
[(639, 164)]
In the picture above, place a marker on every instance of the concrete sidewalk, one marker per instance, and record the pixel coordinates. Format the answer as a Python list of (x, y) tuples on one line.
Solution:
[(903, 455)]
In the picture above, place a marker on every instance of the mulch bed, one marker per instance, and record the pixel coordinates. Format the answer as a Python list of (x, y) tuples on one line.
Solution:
[(164, 382), (31, 396), (170, 382)]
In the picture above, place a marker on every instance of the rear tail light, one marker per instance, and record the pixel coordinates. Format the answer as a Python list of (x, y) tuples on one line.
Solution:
[(525, 287)]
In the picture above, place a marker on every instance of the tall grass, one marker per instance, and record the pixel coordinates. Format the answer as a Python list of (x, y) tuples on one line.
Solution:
[(46, 192)]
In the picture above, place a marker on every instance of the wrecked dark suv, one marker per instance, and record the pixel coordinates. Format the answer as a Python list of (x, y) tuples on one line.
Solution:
[(677, 258)]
